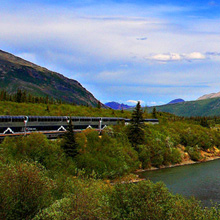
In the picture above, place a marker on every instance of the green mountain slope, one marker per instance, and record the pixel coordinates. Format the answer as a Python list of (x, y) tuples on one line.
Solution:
[(206, 107), (18, 73)]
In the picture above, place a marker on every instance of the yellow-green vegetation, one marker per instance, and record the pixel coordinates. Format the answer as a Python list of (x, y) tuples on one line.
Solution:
[(13, 108), (38, 181)]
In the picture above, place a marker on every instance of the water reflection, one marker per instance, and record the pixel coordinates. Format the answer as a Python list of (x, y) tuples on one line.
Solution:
[(199, 180)]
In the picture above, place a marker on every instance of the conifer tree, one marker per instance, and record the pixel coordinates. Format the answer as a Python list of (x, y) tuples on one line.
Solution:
[(136, 132), (154, 113), (69, 143), (204, 122), (99, 105)]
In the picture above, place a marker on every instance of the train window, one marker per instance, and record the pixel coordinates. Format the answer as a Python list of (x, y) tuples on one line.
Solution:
[(17, 119), (112, 119), (65, 118), (96, 119), (87, 119), (33, 118), (75, 119), (6, 119)]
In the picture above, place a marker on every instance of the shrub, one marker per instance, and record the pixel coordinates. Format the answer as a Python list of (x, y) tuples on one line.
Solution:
[(107, 156), (146, 200), (89, 200), (24, 190), (194, 153), (37, 148)]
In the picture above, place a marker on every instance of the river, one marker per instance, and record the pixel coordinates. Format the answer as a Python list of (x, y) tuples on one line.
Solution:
[(199, 180)]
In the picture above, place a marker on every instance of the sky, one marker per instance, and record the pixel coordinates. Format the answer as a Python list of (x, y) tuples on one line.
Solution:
[(123, 51)]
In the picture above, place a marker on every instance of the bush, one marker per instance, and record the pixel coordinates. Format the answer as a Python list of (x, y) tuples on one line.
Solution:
[(89, 200), (194, 153), (37, 148), (107, 156), (24, 190), (146, 200)]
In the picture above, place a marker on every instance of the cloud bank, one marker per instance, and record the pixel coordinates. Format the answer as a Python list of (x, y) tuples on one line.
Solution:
[(119, 51)]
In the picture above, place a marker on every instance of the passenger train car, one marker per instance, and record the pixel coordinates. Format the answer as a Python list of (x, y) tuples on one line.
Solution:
[(51, 124)]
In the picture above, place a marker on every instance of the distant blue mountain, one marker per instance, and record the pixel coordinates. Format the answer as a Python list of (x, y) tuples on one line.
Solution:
[(117, 106), (176, 101)]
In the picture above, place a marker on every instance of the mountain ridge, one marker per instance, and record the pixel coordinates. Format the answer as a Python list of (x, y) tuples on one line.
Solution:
[(176, 101), (117, 106), (16, 72), (209, 96), (205, 107)]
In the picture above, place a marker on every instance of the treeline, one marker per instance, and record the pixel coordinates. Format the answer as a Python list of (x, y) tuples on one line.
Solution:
[(21, 96)]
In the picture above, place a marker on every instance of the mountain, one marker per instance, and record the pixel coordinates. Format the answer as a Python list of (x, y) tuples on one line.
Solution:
[(209, 96), (18, 73), (117, 106), (205, 107), (176, 101)]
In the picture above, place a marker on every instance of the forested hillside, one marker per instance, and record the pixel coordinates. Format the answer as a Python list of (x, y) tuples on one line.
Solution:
[(43, 179), (17, 73), (206, 107)]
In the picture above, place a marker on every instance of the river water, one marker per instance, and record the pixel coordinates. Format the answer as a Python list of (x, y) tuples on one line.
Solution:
[(199, 180)]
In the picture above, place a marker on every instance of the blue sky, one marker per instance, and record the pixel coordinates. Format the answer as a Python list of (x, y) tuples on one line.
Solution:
[(123, 51)]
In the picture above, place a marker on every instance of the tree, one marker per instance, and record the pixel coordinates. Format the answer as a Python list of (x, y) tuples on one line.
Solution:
[(154, 113), (204, 122), (19, 96), (69, 144), (136, 132), (99, 105)]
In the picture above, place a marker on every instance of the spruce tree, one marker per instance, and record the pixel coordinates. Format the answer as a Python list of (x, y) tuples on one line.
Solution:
[(204, 122), (69, 143), (136, 132), (99, 105), (154, 113)]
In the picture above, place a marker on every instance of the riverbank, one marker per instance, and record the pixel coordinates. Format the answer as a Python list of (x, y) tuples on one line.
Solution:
[(184, 163), (209, 155), (206, 156)]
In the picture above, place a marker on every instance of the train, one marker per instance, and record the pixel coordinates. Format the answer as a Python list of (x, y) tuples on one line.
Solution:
[(16, 125)]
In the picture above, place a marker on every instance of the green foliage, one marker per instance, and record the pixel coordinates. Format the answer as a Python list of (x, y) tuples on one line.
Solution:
[(37, 148), (38, 181), (109, 157), (154, 113), (41, 109), (21, 96), (194, 153), (69, 144), (206, 107), (24, 190), (88, 200), (135, 131), (204, 122), (146, 200)]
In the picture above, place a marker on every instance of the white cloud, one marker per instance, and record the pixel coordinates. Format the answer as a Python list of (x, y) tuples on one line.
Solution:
[(135, 102), (194, 56), (177, 57), (105, 39), (106, 49)]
